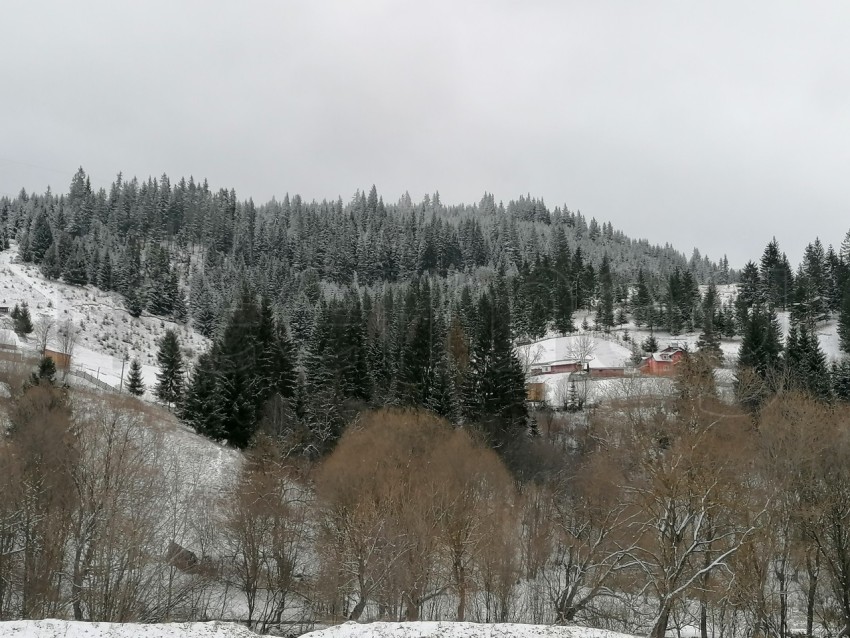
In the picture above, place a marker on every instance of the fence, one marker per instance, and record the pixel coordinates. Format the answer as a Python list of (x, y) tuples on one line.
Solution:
[(15, 355), (97, 382)]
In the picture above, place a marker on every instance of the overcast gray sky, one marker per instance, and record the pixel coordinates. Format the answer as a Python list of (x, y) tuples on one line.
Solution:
[(716, 125)]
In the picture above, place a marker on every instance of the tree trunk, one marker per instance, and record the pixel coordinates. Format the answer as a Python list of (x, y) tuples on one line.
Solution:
[(461, 591), (660, 628), (813, 568), (411, 609), (358, 610)]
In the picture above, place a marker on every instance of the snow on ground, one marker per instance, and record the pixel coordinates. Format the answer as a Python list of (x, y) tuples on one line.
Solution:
[(106, 331), (594, 391), (457, 630), (596, 350), (70, 629)]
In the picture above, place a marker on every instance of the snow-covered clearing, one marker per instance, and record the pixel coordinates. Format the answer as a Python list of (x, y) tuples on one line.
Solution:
[(70, 629), (106, 333), (457, 630)]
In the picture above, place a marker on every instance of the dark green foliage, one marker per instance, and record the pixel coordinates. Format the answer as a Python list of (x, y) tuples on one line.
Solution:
[(761, 354), (135, 385), (805, 363), (22, 320), (251, 362), (750, 293), (46, 371), (708, 345), (40, 237), (76, 269), (644, 307), (135, 302), (605, 308), (169, 387), (840, 379), (776, 277), (844, 322), (50, 265), (681, 302), (494, 395), (202, 407), (813, 288), (650, 344)]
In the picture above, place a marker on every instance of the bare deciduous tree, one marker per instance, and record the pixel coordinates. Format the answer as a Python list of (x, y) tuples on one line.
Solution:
[(43, 332)]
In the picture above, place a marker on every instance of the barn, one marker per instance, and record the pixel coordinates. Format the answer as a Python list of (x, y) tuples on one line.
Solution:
[(662, 363), (61, 359)]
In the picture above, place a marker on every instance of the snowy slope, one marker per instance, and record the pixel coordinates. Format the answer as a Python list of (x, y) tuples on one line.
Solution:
[(457, 630), (106, 331), (69, 629)]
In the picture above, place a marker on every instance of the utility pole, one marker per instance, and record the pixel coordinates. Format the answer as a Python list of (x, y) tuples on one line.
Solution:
[(123, 361)]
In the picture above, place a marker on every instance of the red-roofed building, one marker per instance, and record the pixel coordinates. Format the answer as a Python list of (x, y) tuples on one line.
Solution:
[(663, 362)]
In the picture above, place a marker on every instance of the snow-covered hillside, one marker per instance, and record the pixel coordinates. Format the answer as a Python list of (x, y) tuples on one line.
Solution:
[(106, 331), (457, 630), (70, 629)]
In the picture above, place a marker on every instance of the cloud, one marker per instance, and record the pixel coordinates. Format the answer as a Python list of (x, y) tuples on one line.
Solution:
[(716, 125)]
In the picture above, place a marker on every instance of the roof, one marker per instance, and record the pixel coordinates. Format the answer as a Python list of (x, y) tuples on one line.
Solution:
[(599, 353)]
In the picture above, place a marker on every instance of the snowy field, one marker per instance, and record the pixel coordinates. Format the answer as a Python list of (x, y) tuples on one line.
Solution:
[(457, 630), (70, 629)]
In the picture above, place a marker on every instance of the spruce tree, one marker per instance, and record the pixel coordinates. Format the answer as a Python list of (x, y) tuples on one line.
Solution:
[(40, 237), (237, 364), (805, 362), (708, 345), (761, 353), (643, 308), (46, 371), (202, 408), (605, 309), (169, 387), (840, 379), (494, 394), (76, 269), (22, 319), (135, 385), (50, 266), (844, 322)]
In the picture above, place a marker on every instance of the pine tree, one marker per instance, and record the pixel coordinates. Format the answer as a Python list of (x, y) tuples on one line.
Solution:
[(416, 366), (40, 237), (844, 322), (494, 394), (76, 269), (605, 310), (169, 387), (50, 266), (104, 272), (761, 353), (22, 320), (46, 371), (709, 345), (840, 378), (750, 293), (135, 302), (135, 385), (644, 313), (202, 408), (237, 365), (805, 363)]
